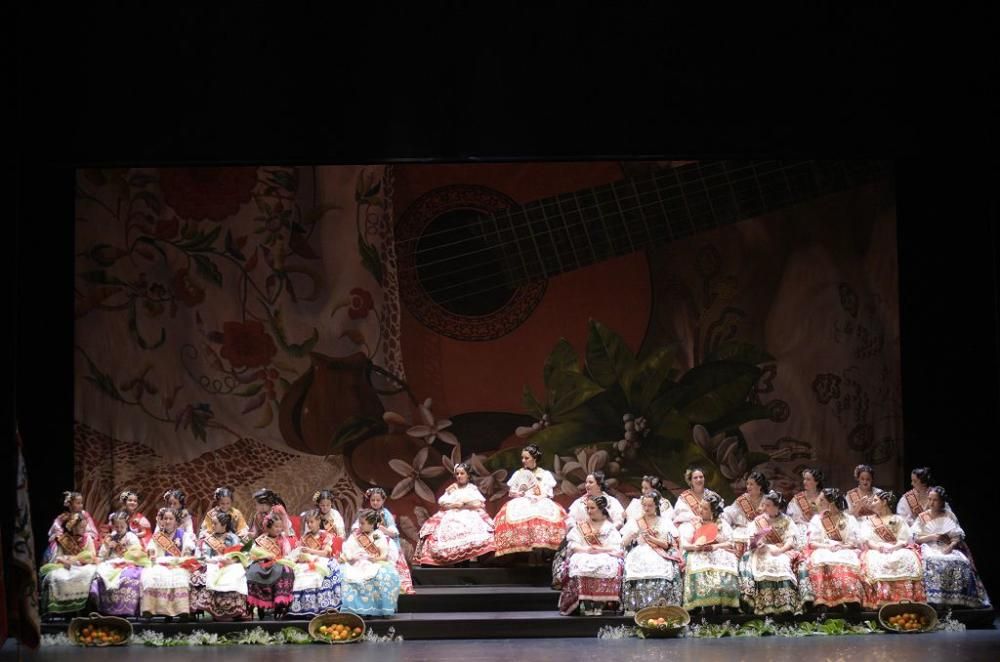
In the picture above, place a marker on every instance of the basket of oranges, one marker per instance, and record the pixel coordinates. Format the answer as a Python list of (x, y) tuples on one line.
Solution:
[(907, 616), (336, 628), (97, 630), (662, 620)]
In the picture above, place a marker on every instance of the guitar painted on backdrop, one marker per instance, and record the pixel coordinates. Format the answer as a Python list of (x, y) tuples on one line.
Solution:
[(496, 262)]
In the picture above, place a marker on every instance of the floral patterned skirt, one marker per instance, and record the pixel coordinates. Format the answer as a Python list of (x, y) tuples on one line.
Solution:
[(711, 588), (269, 585), (315, 601), (830, 584), (952, 582), (220, 604), (640, 593), (879, 593), (450, 537), (122, 601), (544, 531), (596, 589), (376, 597)]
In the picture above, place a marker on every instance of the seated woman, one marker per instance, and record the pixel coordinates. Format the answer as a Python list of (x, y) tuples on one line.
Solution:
[(767, 570), (711, 569), (221, 587), (330, 519), (268, 502), (67, 577), (647, 485), (375, 499), (950, 577), (859, 499), (270, 577), (137, 522), (72, 503), (890, 563), (118, 585), (830, 572), (917, 500), (593, 572), (745, 509), (166, 582), (803, 506), (317, 584), (531, 521), (222, 500), (688, 505), (653, 566), (176, 500), (594, 485), (371, 583), (461, 530)]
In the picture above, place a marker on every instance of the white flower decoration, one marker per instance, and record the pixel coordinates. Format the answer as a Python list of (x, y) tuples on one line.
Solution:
[(413, 475)]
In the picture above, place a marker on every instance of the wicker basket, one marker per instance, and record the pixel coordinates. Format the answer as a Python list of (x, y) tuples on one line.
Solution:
[(903, 607), (667, 612), (334, 618), (76, 626)]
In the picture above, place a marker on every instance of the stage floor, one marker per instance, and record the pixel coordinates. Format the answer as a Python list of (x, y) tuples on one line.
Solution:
[(969, 645)]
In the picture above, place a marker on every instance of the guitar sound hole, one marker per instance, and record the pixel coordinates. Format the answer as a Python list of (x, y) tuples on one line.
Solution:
[(459, 267)]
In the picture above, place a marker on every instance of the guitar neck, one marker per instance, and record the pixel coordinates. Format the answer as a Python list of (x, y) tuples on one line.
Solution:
[(573, 230)]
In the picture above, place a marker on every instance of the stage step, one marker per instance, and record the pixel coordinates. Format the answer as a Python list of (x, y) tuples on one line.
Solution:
[(492, 625), (479, 598), (483, 576)]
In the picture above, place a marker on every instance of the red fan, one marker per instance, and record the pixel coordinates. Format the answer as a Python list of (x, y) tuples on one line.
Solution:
[(706, 534), (759, 536)]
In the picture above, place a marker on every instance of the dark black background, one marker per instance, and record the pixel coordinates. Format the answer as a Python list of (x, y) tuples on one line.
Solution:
[(128, 86)]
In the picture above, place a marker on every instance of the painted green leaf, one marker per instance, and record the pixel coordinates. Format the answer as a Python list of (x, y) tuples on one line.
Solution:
[(720, 388), (609, 360), (292, 349), (207, 269), (133, 327), (559, 438), (200, 241), (649, 377), (569, 390), (370, 259), (562, 357), (531, 403), (232, 248), (101, 379)]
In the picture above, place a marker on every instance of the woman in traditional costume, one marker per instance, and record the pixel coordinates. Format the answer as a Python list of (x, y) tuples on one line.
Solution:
[(66, 579), (137, 523), (688, 505), (647, 485), (890, 562), (767, 570), (531, 521), (745, 509), (950, 576), (917, 500), (268, 502), (72, 503), (176, 500), (461, 530), (830, 572), (271, 574), (330, 519), (592, 579), (711, 567), (117, 588), (317, 587), (375, 500), (653, 566), (220, 588), (166, 582), (371, 584), (859, 499), (594, 485), (803, 506), (222, 500)]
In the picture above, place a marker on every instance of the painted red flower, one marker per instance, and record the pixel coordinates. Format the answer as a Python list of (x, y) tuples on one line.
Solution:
[(207, 193), (361, 303), (186, 290), (246, 345)]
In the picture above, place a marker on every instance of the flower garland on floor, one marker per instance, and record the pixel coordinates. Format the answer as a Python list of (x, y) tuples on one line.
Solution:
[(767, 627), (258, 636)]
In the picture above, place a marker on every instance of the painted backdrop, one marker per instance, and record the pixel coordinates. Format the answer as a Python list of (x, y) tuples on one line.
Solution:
[(342, 327)]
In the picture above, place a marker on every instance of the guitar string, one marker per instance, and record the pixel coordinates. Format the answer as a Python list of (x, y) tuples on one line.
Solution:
[(528, 275), (694, 224)]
